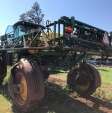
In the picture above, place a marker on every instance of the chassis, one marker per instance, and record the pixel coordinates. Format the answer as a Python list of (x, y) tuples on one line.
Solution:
[(36, 50)]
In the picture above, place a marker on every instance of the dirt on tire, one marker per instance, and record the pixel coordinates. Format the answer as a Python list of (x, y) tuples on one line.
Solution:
[(34, 82)]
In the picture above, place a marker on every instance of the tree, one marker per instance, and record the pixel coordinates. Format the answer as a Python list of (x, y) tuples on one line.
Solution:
[(34, 15)]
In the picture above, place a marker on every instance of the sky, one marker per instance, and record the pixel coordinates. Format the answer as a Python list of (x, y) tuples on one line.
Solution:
[(95, 12)]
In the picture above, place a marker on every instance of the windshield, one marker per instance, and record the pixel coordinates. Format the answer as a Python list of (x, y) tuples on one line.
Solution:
[(19, 31), (9, 32)]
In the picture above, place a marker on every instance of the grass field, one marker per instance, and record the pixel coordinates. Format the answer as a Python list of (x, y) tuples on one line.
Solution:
[(104, 93), (5, 105), (106, 74)]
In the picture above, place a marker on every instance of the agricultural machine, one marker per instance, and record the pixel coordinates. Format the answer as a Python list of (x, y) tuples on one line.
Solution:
[(36, 50)]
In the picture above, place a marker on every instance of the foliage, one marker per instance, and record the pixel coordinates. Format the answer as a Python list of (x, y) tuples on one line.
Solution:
[(34, 15)]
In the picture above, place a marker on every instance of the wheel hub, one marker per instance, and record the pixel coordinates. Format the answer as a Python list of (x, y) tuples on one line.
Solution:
[(82, 83)]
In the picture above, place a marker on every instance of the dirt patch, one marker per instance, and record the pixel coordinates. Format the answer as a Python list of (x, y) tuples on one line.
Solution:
[(92, 102), (58, 100)]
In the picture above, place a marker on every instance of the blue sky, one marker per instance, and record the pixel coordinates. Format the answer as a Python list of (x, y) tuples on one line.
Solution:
[(94, 12)]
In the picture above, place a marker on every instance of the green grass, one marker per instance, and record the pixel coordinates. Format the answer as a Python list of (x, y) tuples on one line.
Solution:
[(104, 92), (106, 75), (5, 106), (6, 79)]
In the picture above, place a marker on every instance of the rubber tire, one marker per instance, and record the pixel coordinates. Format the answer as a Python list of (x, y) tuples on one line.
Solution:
[(3, 66), (35, 85), (90, 72), (44, 70)]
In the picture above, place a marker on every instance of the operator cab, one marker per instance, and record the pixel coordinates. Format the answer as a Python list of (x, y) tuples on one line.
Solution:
[(21, 31), (23, 28)]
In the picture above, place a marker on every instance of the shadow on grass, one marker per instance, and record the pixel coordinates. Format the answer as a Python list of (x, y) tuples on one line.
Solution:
[(58, 70), (57, 100), (99, 102), (103, 70), (4, 91)]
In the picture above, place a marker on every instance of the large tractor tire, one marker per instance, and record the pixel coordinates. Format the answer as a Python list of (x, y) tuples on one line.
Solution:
[(3, 66), (84, 79), (44, 70), (26, 86)]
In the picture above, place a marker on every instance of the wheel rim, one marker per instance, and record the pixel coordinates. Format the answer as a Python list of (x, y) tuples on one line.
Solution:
[(20, 88), (82, 83), (23, 88)]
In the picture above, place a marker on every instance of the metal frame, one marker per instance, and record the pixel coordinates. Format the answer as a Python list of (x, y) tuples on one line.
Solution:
[(82, 43)]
